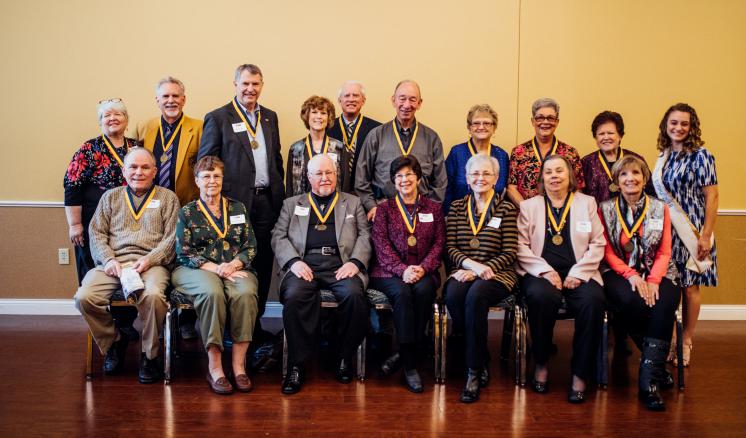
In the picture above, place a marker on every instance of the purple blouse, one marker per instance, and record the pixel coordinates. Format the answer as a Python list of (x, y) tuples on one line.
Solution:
[(597, 182)]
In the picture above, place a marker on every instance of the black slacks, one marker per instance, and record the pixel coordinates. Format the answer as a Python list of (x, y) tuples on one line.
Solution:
[(263, 219), (412, 305), (638, 318), (469, 305), (301, 313), (585, 303)]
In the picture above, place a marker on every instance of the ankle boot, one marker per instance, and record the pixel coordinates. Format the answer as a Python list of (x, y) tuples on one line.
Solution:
[(470, 393), (652, 364)]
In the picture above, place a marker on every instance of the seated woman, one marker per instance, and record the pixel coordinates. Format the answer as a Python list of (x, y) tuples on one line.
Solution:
[(481, 239), (215, 245), (317, 114), (560, 245), (641, 281), (408, 236)]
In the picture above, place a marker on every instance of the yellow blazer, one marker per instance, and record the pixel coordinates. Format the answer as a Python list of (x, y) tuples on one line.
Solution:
[(191, 133)]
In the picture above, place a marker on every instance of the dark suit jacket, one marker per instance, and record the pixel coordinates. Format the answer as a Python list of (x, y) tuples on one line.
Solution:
[(336, 132), (234, 149)]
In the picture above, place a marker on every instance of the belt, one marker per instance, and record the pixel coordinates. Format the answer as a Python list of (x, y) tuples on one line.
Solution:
[(260, 190), (324, 250)]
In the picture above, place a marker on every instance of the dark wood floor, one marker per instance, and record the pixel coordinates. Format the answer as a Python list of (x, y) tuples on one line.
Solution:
[(43, 392)]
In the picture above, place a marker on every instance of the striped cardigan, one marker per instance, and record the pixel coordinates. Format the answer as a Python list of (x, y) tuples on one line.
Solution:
[(498, 246)]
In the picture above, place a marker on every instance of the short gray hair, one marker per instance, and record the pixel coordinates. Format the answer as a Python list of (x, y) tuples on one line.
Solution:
[(408, 81), (116, 105), (170, 80), (316, 160), (483, 159), (136, 150), (544, 102), (348, 83), (251, 68)]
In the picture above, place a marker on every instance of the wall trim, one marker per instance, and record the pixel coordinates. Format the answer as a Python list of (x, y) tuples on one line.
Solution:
[(28, 306)]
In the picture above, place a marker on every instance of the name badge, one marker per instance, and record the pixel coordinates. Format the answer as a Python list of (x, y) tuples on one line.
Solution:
[(583, 227), (301, 211), (333, 156), (425, 217), (495, 222), (238, 219), (155, 203), (656, 224), (239, 127)]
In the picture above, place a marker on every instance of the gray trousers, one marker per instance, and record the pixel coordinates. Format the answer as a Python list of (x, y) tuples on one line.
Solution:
[(92, 300), (213, 297)]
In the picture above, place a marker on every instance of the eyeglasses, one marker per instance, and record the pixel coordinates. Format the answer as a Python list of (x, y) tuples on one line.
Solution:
[(400, 176), (476, 175), (480, 124), (211, 178), (550, 119), (327, 174), (114, 100)]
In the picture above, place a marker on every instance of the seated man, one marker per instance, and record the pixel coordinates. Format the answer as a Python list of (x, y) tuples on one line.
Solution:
[(321, 240), (133, 228)]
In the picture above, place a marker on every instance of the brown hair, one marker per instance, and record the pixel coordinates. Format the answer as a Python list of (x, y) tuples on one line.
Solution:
[(626, 162), (693, 140), (208, 163), (317, 102), (481, 109), (570, 174)]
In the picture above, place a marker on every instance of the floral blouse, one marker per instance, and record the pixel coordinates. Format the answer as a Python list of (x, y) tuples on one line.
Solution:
[(94, 166), (525, 167), (197, 242)]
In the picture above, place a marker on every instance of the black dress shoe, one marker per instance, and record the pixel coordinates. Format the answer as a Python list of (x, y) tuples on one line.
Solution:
[(575, 397), (151, 370), (484, 376), (293, 380), (413, 381), (344, 371), (114, 360), (391, 365), (470, 393), (540, 387)]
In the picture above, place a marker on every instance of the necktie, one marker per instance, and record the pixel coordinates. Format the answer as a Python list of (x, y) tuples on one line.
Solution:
[(164, 174)]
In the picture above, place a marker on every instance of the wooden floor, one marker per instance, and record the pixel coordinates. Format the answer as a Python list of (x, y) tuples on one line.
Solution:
[(43, 392)]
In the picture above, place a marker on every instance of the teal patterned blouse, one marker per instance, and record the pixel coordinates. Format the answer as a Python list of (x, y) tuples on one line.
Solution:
[(198, 242)]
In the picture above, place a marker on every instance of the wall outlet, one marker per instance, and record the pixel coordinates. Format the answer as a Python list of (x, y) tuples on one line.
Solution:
[(63, 256)]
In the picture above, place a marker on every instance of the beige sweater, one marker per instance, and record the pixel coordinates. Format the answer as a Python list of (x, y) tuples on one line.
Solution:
[(112, 234)]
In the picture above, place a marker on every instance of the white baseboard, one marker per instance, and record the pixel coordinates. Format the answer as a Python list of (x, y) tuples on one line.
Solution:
[(24, 306)]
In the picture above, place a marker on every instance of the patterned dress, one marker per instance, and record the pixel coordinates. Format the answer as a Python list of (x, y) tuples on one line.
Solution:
[(296, 177), (597, 181), (684, 175), (525, 167)]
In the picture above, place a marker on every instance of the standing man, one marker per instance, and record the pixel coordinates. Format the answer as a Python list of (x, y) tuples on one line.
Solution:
[(246, 137), (402, 136), (174, 140), (352, 127)]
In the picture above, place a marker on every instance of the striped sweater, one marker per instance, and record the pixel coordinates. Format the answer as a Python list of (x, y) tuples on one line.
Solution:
[(497, 246)]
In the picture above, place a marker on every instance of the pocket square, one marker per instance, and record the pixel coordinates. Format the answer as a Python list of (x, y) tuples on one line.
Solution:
[(349, 216)]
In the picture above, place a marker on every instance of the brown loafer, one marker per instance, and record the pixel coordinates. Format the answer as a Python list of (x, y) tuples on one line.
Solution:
[(243, 383), (221, 386)]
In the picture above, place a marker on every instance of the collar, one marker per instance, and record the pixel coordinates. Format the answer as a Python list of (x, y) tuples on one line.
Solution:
[(173, 125), (404, 130), (256, 110)]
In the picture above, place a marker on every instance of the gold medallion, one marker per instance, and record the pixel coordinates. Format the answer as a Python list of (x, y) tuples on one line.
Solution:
[(135, 226), (411, 240), (474, 243), (629, 246), (254, 144), (557, 239), (226, 246), (164, 158), (320, 227), (613, 188)]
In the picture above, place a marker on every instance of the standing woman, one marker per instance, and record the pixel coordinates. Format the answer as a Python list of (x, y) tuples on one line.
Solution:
[(481, 121), (608, 129), (560, 245), (95, 168), (481, 239), (317, 114), (686, 180), (408, 236)]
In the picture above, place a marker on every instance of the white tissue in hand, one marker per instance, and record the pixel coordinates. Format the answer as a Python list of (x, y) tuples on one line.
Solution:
[(132, 284)]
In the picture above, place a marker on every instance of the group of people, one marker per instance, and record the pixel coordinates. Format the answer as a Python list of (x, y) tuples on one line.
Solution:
[(365, 204)]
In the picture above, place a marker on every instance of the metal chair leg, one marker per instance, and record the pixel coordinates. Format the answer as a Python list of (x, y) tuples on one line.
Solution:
[(443, 342), (505, 344), (520, 346), (168, 345), (603, 355), (284, 354), (437, 352), (89, 357), (361, 350), (680, 347)]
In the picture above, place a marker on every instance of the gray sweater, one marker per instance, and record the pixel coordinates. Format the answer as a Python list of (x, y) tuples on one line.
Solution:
[(112, 231)]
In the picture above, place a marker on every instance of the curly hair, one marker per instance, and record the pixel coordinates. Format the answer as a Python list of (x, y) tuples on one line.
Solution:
[(693, 141), (317, 102), (605, 117)]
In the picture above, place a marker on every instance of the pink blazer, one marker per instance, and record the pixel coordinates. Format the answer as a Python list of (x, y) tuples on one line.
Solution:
[(587, 245)]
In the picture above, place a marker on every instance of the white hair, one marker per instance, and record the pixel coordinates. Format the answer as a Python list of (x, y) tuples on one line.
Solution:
[(137, 150), (112, 105), (170, 80), (348, 83), (482, 159), (315, 162)]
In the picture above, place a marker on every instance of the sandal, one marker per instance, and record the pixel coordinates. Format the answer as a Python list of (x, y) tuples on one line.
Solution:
[(672, 353), (686, 355)]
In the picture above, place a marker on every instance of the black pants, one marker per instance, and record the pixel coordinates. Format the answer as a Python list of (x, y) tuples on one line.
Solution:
[(83, 259), (469, 305), (412, 304), (638, 318), (263, 219), (584, 303), (301, 313)]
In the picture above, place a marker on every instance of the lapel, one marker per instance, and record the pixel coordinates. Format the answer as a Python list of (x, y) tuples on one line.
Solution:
[(577, 214), (185, 137), (151, 131), (266, 132), (243, 137), (540, 227), (303, 222), (340, 212)]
